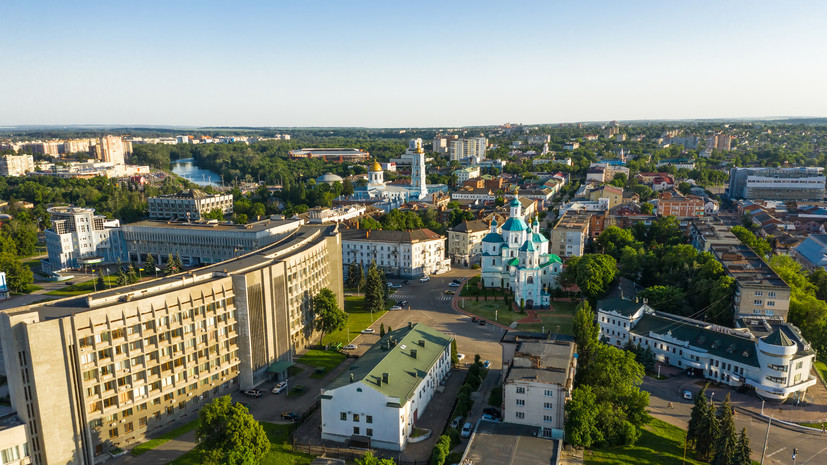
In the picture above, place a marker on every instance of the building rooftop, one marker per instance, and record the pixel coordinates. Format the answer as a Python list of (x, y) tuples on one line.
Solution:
[(471, 226), (381, 235), (392, 357), (746, 266), (496, 443), (212, 225)]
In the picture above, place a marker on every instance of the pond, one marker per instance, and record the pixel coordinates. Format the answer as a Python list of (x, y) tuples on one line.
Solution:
[(187, 168)]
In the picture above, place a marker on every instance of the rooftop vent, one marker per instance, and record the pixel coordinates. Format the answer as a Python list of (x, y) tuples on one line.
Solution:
[(413, 353), (385, 378)]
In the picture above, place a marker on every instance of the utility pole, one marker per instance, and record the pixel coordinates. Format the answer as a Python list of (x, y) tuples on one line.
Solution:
[(766, 438)]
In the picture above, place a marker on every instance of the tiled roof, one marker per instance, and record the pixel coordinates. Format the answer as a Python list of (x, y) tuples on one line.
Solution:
[(470, 226), (381, 235)]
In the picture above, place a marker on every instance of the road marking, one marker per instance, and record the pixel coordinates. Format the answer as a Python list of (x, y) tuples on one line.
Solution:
[(814, 456), (779, 450)]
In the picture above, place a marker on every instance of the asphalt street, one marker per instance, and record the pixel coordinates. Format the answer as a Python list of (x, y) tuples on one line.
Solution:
[(812, 446)]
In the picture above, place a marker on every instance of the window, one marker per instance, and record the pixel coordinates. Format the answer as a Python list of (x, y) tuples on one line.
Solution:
[(520, 415), (356, 417), (10, 454), (548, 405), (520, 402), (368, 419), (343, 416), (548, 418), (759, 293), (771, 294), (520, 390), (549, 393), (758, 302), (355, 430), (770, 303), (369, 431), (113, 433)]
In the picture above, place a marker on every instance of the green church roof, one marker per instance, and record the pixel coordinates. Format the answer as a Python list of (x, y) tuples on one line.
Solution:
[(539, 238), (515, 224), (493, 237), (527, 246)]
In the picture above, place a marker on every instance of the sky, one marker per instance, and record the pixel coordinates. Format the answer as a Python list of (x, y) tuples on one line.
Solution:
[(407, 64)]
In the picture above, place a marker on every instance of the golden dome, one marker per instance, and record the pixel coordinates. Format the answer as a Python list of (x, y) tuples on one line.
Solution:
[(375, 166)]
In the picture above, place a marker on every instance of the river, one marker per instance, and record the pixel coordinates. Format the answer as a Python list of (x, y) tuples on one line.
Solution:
[(186, 168)]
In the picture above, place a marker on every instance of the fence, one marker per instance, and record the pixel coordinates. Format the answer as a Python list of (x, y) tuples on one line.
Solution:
[(351, 454)]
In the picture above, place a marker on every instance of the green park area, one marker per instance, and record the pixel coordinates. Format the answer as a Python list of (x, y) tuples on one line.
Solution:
[(327, 359), (660, 444), (281, 453), (558, 321), (491, 310), (358, 319)]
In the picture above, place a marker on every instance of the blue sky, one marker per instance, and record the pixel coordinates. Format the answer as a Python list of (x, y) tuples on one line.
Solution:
[(405, 64)]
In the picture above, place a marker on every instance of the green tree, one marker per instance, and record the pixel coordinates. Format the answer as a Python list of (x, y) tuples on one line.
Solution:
[(24, 234), (101, 283), (228, 434), (593, 273), (214, 214), (613, 239), (122, 278), (374, 294), (241, 218), (727, 439), (581, 418), (708, 427), (586, 330), (669, 299), (695, 431), (178, 264), (354, 276), (170, 268), (454, 353), (743, 453), (18, 275), (132, 275), (149, 263), (684, 187), (369, 223), (329, 317), (381, 329), (441, 450), (369, 458), (347, 187), (646, 208), (758, 245)]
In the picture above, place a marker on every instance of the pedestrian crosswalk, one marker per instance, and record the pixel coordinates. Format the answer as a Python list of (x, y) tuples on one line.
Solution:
[(445, 297), (401, 297)]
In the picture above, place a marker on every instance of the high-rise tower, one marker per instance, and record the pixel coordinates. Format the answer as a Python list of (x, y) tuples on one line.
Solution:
[(418, 178)]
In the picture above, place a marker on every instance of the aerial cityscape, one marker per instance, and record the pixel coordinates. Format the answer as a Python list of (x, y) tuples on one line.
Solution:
[(413, 234)]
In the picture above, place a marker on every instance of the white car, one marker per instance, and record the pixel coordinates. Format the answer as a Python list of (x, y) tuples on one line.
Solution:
[(424, 279), (460, 357), (394, 286), (368, 331), (453, 284), (280, 387), (466, 430), (687, 395), (396, 307), (349, 347)]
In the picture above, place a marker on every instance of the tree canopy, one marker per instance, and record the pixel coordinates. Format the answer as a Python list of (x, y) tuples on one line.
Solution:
[(228, 434), (329, 317)]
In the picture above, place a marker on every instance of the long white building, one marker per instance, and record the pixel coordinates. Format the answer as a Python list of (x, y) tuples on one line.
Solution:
[(379, 399), (408, 254), (79, 237), (801, 183), (766, 355)]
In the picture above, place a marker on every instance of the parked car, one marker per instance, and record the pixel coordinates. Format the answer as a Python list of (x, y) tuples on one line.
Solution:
[(424, 279), (368, 331), (460, 357), (492, 411), (486, 364), (489, 417), (282, 386), (458, 281), (482, 322), (396, 307), (474, 319), (349, 347), (293, 416), (456, 422), (454, 284), (407, 281), (253, 393), (403, 303), (687, 395), (394, 286), (448, 291), (466, 430)]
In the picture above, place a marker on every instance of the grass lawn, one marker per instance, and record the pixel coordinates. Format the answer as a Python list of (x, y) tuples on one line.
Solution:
[(488, 310), (281, 452), (471, 289), (31, 288), (84, 287), (659, 444), (821, 367), (168, 436), (321, 358), (561, 316), (358, 320)]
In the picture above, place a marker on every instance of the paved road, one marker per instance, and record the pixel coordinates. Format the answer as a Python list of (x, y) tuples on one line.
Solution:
[(812, 446)]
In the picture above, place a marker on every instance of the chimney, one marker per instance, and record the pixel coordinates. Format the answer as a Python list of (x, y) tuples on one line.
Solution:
[(385, 378), (367, 234), (413, 353), (422, 342)]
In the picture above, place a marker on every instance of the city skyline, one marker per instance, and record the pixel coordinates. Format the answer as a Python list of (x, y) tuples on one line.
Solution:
[(427, 64)]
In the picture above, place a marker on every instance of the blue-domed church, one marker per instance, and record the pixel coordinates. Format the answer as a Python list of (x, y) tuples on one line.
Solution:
[(516, 257)]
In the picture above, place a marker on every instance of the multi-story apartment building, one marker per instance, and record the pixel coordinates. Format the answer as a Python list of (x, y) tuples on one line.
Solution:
[(759, 291), (465, 242), (16, 165), (607, 191), (91, 373), (441, 143), (377, 403), (673, 203), (112, 149), (75, 146), (570, 234), (539, 380), (190, 204), (704, 233), (78, 237), (14, 445), (466, 148), (763, 353), (344, 213), (408, 254), (777, 183), (203, 242)]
